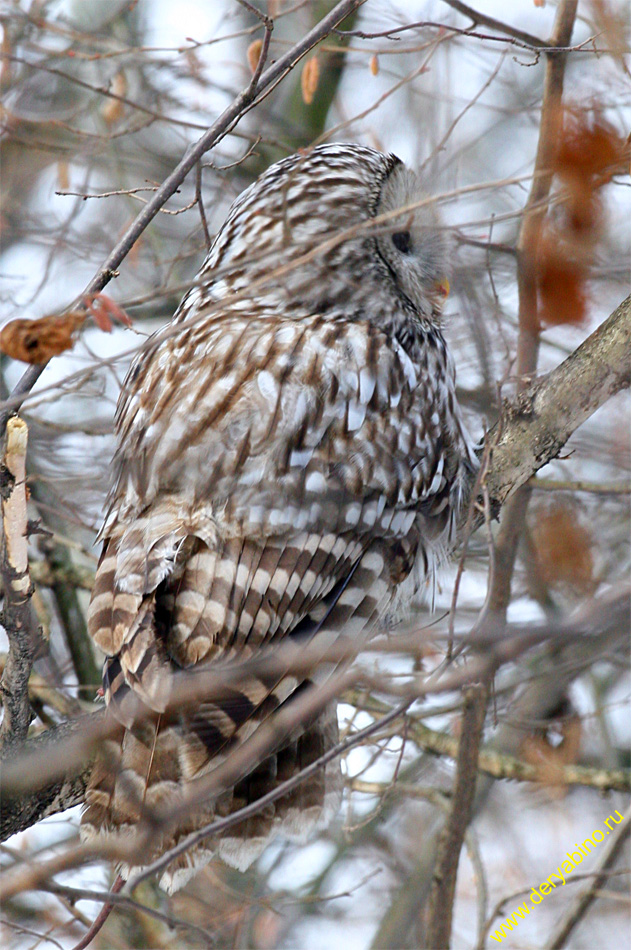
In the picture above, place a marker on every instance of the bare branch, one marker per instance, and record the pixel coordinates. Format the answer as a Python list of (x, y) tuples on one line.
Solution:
[(443, 888), (500, 578), (476, 17), (538, 425)]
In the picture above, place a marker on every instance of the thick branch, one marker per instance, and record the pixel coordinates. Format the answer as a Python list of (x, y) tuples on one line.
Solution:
[(22, 632), (535, 428)]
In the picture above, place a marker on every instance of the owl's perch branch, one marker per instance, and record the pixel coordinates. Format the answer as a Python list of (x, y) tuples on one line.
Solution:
[(62, 752), (224, 124), (17, 619), (535, 428)]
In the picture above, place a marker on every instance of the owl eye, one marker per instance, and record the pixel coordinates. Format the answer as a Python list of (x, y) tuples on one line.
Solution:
[(402, 242)]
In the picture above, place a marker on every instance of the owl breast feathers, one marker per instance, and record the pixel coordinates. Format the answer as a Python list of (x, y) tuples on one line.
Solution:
[(290, 463)]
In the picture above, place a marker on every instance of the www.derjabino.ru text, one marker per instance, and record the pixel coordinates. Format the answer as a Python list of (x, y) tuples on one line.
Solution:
[(558, 878)]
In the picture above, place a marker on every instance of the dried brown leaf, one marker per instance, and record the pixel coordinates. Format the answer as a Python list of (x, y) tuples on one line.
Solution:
[(561, 278), (254, 54), (563, 548), (374, 64), (309, 79), (114, 109), (590, 149), (104, 310), (36, 341), (550, 750)]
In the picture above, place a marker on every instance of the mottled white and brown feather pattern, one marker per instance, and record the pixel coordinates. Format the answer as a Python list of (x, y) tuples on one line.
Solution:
[(290, 451)]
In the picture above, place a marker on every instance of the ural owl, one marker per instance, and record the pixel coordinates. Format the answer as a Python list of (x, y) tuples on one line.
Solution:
[(290, 463)]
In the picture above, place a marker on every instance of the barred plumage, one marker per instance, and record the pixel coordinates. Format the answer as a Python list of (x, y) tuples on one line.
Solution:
[(291, 459)]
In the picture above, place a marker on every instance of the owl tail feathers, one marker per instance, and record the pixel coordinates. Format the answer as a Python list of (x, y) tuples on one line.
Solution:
[(136, 774), (138, 770)]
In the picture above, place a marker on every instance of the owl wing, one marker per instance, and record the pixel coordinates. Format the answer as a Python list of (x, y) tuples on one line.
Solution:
[(272, 479), (259, 460)]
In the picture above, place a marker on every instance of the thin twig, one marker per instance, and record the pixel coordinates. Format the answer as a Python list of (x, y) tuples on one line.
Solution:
[(528, 39), (514, 895), (101, 917)]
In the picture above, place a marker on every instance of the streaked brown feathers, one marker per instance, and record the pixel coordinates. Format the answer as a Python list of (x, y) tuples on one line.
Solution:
[(290, 462)]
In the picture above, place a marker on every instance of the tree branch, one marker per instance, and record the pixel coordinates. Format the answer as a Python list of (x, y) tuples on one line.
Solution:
[(535, 428), (226, 122), (599, 628), (24, 635), (476, 17), (507, 541), (443, 888), (499, 765)]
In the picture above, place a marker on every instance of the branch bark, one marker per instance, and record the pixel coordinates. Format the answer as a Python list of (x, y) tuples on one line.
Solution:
[(23, 634), (443, 888), (535, 428)]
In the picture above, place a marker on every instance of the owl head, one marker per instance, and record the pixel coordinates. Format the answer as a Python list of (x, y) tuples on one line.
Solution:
[(338, 229)]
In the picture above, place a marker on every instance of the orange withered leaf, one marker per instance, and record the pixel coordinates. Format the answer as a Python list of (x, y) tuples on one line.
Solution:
[(114, 109), (36, 341), (563, 547), (63, 179), (590, 149), (309, 79), (374, 64), (550, 750), (561, 277), (254, 54), (104, 310)]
